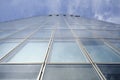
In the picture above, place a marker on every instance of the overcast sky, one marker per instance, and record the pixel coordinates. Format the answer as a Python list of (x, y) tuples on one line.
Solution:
[(107, 10)]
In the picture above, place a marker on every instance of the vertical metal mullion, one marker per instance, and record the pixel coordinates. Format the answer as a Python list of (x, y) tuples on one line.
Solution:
[(40, 76), (86, 53), (90, 59)]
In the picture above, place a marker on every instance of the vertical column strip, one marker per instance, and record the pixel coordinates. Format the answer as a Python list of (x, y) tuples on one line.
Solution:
[(40, 76), (86, 53)]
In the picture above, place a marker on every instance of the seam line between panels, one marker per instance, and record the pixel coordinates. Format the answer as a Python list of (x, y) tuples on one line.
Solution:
[(41, 73)]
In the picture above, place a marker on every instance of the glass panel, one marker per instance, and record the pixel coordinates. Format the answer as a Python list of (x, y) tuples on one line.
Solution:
[(116, 34), (84, 33), (31, 52), (100, 52), (78, 26), (42, 34), (110, 71), (22, 34), (115, 42), (19, 72), (6, 47), (6, 33), (50, 26), (67, 52), (70, 72), (61, 24), (105, 27), (63, 33), (96, 34), (107, 34)]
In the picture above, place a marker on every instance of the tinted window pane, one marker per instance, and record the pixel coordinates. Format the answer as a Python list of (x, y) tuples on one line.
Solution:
[(111, 71), (66, 52), (116, 33), (63, 33), (84, 33), (6, 47), (6, 33), (70, 72), (42, 34), (19, 72), (100, 52), (32, 52), (114, 42), (22, 34), (107, 34)]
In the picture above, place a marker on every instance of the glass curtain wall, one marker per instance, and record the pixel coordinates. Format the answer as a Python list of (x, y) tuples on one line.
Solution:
[(59, 47)]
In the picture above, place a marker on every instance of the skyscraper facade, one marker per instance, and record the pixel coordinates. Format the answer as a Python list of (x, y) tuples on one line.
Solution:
[(59, 47)]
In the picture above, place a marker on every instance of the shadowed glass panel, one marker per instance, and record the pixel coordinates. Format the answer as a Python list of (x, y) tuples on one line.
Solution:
[(70, 72), (19, 72), (110, 71)]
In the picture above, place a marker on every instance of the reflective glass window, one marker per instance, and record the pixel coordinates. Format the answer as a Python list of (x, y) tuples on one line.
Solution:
[(63, 33), (42, 34), (31, 52), (6, 47), (110, 71), (19, 72), (6, 33), (107, 34), (84, 33), (115, 42), (70, 72), (66, 52), (99, 51), (22, 34)]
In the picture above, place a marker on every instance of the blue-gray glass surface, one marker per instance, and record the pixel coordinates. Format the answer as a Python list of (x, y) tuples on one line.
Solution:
[(116, 33), (42, 34), (19, 72), (84, 33), (78, 26), (6, 47), (63, 33), (106, 34), (22, 34), (103, 27), (110, 71), (31, 52), (4, 34), (66, 52), (114, 42), (46, 26), (62, 25), (70, 72), (99, 51)]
